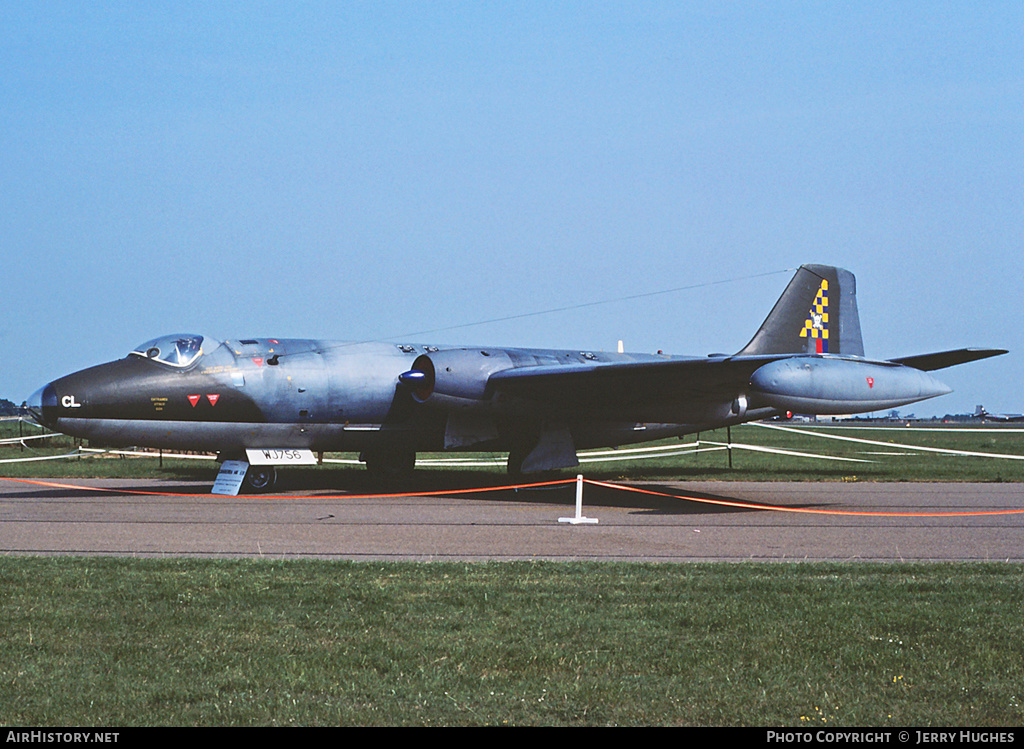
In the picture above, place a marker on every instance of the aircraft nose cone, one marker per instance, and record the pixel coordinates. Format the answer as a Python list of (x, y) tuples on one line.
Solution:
[(42, 403)]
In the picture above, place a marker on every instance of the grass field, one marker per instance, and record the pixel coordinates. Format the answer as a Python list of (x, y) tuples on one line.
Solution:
[(105, 642), (123, 642)]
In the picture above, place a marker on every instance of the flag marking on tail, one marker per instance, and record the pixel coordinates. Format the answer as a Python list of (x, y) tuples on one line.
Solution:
[(816, 324)]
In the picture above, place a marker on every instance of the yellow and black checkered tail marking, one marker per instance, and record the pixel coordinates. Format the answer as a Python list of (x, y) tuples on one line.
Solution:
[(816, 324)]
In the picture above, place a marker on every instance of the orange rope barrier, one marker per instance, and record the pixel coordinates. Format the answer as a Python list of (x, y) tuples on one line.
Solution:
[(807, 510), (446, 492), (559, 482)]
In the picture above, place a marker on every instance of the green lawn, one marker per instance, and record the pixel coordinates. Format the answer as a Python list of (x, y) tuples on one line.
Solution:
[(121, 642)]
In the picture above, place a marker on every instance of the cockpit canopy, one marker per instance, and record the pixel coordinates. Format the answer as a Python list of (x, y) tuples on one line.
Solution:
[(176, 350)]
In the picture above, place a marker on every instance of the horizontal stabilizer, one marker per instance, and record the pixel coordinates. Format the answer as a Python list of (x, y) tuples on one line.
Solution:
[(943, 359)]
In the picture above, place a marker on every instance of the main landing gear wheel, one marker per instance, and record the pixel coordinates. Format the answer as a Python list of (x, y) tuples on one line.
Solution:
[(261, 478), (389, 464), (516, 456)]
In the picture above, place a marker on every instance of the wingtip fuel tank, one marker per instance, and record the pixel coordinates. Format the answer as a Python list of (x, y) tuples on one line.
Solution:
[(832, 386)]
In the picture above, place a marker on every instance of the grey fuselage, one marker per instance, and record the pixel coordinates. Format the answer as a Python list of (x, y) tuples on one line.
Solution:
[(335, 396)]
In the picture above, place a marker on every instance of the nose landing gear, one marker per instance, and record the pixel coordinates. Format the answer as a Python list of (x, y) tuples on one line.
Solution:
[(260, 479)]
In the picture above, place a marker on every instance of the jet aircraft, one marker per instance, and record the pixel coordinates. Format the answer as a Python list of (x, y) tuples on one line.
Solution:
[(266, 402), (983, 414)]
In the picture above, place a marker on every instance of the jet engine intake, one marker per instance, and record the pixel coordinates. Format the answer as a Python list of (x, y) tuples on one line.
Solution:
[(419, 379), (454, 373)]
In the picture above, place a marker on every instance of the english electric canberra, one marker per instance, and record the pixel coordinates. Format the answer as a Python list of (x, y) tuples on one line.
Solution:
[(266, 402)]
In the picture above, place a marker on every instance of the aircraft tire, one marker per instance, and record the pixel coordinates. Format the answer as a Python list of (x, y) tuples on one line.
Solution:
[(389, 464), (260, 478), (516, 457)]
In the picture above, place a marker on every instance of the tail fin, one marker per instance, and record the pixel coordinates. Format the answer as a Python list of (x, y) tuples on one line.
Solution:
[(817, 313)]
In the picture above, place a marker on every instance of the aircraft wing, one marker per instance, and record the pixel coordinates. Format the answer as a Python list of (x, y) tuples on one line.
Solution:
[(943, 359), (802, 383), (624, 384)]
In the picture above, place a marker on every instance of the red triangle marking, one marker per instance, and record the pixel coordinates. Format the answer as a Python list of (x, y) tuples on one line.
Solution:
[(213, 398), (258, 361), (871, 382), (193, 399)]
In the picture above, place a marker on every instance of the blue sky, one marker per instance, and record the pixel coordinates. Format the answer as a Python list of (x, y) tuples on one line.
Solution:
[(349, 170)]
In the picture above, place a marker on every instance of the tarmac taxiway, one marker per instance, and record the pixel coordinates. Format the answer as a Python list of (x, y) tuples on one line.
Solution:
[(680, 522)]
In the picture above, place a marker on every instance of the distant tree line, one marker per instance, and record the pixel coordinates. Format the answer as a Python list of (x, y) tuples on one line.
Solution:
[(8, 409)]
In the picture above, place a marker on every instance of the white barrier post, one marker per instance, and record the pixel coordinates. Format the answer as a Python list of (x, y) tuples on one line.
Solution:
[(578, 518)]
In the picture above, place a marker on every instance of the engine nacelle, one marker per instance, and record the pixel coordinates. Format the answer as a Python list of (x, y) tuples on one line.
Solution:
[(826, 386), (454, 373)]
